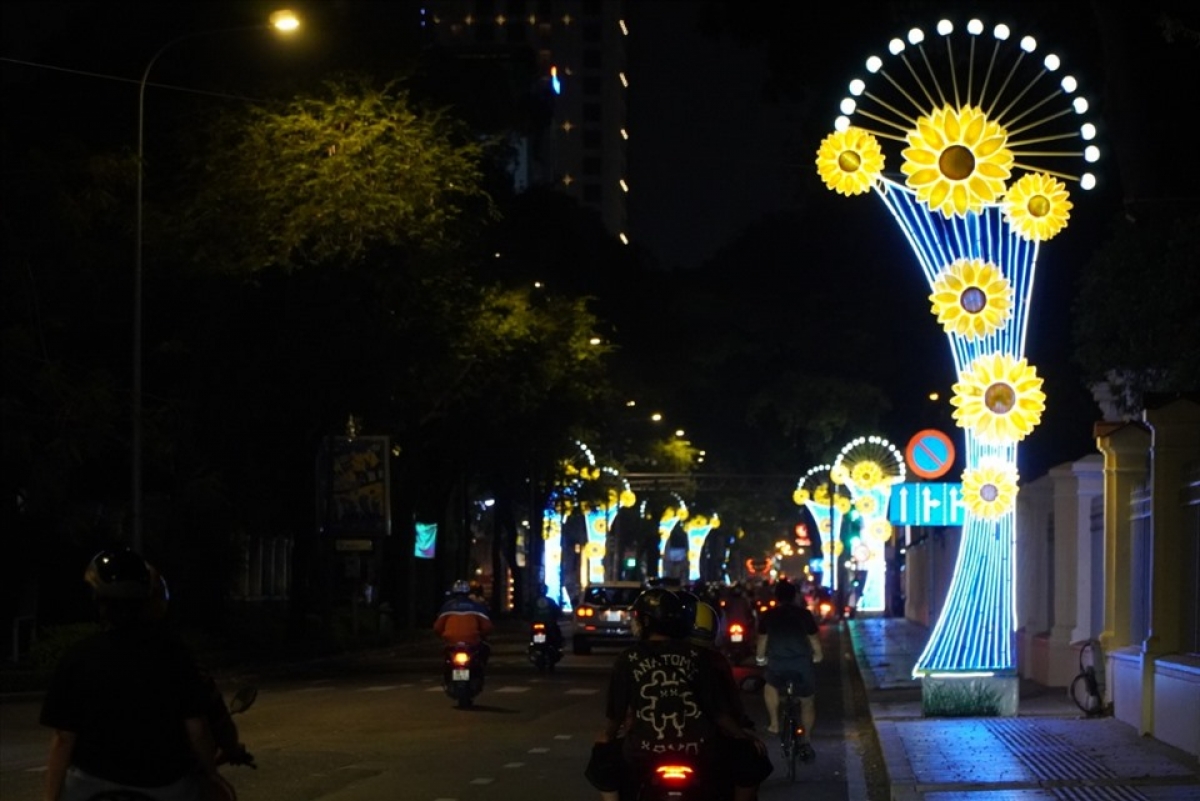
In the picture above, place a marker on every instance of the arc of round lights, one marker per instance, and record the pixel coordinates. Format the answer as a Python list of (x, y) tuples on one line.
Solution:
[(984, 134)]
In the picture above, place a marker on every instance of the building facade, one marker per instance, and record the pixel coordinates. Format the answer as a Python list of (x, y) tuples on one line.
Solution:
[(579, 51)]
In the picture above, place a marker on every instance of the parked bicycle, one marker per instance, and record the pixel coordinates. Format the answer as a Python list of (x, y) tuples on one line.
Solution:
[(1087, 688), (791, 732)]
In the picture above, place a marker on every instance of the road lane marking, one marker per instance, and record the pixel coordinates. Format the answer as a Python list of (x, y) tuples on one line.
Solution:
[(482, 780), (582, 691), (515, 765), (380, 688), (513, 689), (539, 750)]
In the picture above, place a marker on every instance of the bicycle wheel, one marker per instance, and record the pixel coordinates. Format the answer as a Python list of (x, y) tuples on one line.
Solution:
[(790, 750), (1084, 693)]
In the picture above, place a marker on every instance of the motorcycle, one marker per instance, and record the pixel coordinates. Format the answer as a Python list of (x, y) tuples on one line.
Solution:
[(462, 674), (738, 643), (544, 651), (674, 778)]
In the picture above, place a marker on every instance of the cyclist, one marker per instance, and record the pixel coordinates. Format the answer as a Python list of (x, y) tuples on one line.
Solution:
[(789, 645), (664, 697), (128, 705)]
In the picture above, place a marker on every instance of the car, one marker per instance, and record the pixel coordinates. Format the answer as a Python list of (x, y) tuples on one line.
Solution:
[(602, 615)]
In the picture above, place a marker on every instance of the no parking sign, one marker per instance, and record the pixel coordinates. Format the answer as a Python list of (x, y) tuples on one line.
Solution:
[(930, 453)]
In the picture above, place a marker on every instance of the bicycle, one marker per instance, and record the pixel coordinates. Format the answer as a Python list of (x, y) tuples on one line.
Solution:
[(791, 731), (1087, 688)]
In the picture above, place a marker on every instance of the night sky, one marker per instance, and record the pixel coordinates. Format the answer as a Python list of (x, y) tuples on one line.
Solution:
[(716, 147)]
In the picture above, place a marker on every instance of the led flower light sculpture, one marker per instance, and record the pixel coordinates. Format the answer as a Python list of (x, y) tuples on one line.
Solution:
[(675, 513), (827, 501), (869, 467), (986, 137), (599, 515), (697, 528)]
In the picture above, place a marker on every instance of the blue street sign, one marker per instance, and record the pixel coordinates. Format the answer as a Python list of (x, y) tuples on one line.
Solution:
[(930, 503)]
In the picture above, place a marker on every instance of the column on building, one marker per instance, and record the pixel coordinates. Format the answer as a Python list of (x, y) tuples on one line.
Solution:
[(1076, 484)]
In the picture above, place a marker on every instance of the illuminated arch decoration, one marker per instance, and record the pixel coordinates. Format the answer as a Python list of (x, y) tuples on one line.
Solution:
[(564, 499), (697, 528), (869, 467), (828, 501), (986, 134), (675, 513), (600, 513)]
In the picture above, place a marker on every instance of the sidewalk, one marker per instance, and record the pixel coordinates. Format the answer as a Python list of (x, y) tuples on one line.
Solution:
[(1048, 752)]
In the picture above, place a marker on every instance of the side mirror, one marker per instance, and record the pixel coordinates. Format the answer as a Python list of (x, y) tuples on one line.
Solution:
[(242, 700)]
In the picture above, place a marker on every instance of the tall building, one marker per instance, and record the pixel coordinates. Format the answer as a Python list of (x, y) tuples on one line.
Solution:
[(578, 49)]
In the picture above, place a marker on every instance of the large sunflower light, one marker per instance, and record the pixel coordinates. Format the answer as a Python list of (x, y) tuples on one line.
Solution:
[(957, 160), (988, 134)]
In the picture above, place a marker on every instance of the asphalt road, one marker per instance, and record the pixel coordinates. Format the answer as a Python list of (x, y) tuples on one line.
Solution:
[(378, 727)]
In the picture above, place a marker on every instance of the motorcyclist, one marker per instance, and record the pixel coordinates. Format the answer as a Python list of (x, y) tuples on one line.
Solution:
[(128, 705), (664, 697), (545, 609), (463, 619), (220, 722), (789, 645), (751, 765)]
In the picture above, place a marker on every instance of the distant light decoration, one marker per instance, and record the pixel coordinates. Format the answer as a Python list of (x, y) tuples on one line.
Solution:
[(697, 528), (828, 508), (675, 513), (869, 467), (555, 83), (987, 135)]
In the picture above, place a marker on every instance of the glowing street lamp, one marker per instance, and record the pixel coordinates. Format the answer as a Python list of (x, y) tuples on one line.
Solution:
[(283, 21)]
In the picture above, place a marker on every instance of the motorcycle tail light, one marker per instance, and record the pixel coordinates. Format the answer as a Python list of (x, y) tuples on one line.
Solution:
[(539, 626), (461, 658), (826, 608), (674, 773), (736, 628)]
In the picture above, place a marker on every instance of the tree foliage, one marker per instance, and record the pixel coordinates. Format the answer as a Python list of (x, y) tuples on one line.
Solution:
[(328, 176), (1135, 320)]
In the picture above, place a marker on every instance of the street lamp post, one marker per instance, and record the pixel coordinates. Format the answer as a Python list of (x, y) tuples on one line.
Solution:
[(282, 21)]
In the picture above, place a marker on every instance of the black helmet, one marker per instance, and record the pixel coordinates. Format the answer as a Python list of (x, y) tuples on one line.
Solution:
[(119, 574), (659, 611), (690, 601)]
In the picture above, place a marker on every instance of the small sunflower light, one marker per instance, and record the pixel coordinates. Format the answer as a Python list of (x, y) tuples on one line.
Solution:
[(971, 298), (850, 161), (1037, 207), (999, 398), (989, 490)]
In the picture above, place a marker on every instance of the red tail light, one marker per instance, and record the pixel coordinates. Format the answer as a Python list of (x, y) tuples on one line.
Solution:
[(826, 608), (736, 628), (674, 773), (461, 658)]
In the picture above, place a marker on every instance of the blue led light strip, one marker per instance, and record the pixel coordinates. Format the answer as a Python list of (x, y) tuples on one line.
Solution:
[(975, 629)]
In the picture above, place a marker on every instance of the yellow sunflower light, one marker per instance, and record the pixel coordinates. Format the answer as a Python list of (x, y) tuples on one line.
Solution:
[(866, 474), (801, 497), (839, 474), (1037, 207), (842, 504), (989, 490), (971, 298), (999, 398), (866, 505), (878, 530), (849, 161), (957, 160)]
